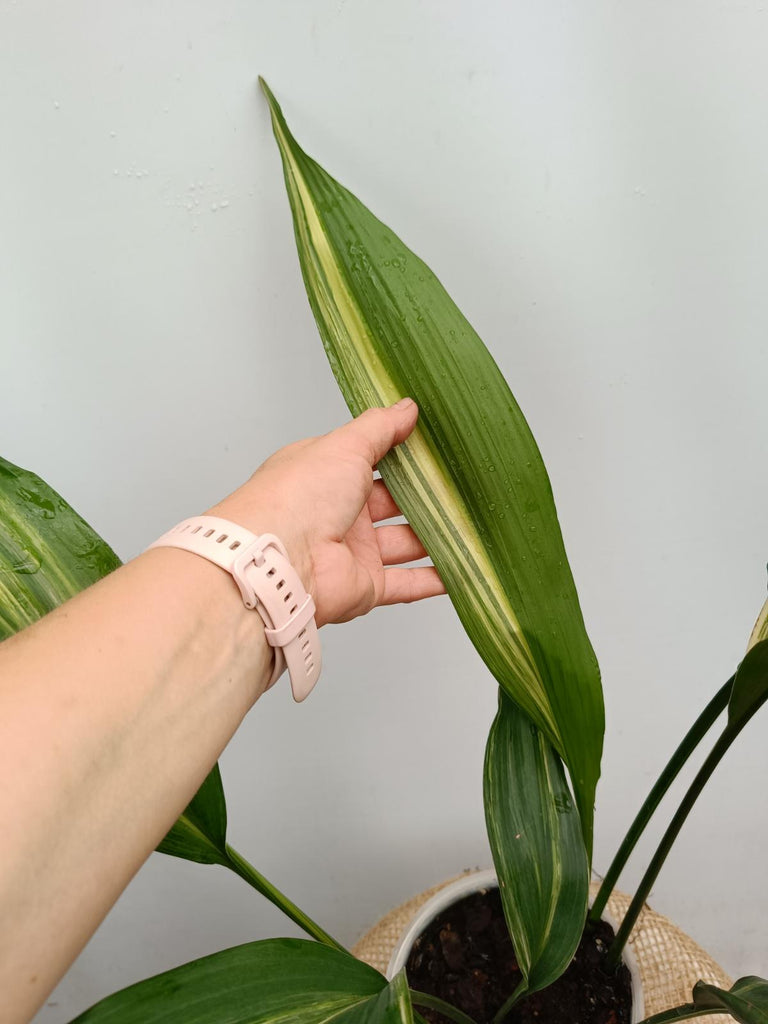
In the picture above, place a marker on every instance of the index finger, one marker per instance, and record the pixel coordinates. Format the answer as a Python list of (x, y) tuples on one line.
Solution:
[(376, 431)]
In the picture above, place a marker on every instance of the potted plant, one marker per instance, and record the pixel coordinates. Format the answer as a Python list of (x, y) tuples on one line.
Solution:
[(472, 483)]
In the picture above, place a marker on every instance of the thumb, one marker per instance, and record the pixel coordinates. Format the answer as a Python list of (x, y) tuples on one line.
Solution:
[(375, 431)]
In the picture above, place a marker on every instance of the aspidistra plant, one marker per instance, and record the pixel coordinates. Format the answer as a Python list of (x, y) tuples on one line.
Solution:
[(472, 483)]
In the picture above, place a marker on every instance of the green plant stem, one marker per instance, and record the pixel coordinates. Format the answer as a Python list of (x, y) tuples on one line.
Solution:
[(434, 1003), (254, 878), (519, 992), (727, 737), (692, 739), (686, 1012)]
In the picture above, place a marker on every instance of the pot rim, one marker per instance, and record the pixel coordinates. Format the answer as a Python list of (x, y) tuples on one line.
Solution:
[(473, 882)]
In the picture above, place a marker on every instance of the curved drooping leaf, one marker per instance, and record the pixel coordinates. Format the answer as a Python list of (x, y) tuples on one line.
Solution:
[(746, 1002), (470, 478), (750, 685), (200, 835), (275, 980), (535, 834), (48, 553)]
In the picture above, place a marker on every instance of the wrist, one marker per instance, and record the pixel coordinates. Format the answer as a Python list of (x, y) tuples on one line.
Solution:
[(227, 642), (262, 520), (269, 586)]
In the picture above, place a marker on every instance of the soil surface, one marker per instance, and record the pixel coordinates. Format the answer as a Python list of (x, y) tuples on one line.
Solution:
[(466, 958)]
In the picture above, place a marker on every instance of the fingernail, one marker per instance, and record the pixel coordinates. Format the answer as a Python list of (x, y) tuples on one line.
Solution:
[(403, 403)]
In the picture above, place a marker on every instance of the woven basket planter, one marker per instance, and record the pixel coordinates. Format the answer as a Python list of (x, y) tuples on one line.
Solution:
[(670, 962)]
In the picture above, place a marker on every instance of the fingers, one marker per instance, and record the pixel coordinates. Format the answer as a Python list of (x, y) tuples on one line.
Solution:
[(381, 504), (403, 586), (398, 544), (377, 430)]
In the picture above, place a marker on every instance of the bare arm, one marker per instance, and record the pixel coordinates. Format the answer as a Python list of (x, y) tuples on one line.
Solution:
[(114, 708)]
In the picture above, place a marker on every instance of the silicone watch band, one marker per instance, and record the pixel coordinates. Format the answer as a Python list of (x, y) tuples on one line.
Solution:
[(268, 583)]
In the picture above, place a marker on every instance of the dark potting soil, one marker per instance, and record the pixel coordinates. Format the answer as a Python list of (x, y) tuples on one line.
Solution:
[(466, 957)]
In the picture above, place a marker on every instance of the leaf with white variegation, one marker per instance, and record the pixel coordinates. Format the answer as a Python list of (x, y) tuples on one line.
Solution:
[(470, 478), (259, 983), (48, 553), (535, 835)]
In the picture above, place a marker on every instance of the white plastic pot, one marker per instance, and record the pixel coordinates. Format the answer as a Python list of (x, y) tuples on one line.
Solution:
[(479, 880)]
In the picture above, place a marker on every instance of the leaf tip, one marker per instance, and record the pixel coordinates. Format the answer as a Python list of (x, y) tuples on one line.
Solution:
[(267, 92)]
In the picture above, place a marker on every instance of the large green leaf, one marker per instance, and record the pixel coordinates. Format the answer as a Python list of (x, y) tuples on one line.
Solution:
[(746, 1002), (48, 553), (535, 836), (286, 980), (470, 479)]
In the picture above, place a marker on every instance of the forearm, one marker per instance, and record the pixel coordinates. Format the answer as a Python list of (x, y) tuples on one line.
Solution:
[(114, 708), (112, 711)]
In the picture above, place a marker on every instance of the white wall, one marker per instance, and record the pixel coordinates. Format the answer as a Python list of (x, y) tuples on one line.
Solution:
[(588, 180)]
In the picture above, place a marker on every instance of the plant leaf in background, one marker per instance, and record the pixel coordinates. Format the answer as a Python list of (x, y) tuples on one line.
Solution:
[(470, 479), (535, 835), (48, 553), (275, 980), (748, 693), (200, 834), (760, 629), (746, 1002), (750, 686)]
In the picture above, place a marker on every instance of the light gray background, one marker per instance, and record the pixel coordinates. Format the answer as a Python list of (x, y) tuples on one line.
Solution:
[(588, 180)]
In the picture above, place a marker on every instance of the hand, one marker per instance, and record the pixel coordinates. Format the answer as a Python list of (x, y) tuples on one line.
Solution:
[(319, 497)]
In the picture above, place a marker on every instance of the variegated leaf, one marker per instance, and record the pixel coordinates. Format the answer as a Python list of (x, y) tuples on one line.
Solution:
[(470, 479), (535, 835)]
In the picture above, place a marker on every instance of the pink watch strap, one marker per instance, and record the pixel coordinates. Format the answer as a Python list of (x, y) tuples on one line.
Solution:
[(268, 583)]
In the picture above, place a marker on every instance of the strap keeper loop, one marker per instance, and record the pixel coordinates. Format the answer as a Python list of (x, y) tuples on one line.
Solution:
[(291, 629)]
